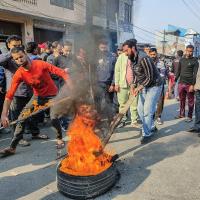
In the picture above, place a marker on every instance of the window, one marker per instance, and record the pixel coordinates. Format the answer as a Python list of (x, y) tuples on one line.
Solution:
[(112, 9), (69, 4), (128, 13)]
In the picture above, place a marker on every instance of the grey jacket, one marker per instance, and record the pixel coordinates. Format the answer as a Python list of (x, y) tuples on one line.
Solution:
[(9, 64)]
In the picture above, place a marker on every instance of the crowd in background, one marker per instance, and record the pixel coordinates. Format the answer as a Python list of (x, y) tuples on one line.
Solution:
[(149, 78)]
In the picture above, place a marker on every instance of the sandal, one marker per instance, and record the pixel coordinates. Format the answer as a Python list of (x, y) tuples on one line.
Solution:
[(7, 152), (60, 145), (40, 137)]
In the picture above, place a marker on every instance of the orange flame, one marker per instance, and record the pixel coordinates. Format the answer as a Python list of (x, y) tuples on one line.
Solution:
[(81, 160), (36, 107)]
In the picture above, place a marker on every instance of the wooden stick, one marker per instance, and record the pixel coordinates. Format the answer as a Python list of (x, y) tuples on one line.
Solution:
[(118, 119), (38, 111)]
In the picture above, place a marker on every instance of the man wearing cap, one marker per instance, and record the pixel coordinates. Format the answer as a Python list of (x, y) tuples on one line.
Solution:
[(147, 83)]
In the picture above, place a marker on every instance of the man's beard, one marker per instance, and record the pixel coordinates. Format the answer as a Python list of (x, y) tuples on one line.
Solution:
[(132, 58)]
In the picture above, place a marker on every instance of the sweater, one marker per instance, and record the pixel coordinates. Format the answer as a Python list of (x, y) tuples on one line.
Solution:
[(38, 77), (187, 70)]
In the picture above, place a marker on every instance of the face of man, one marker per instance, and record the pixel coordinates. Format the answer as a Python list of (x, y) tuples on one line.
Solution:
[(20, 58), (67, 50), (189, 52), (153, 55), (131, 52), (125, 49), (14, 43), (103, 47), (59, 49), (146, 50)]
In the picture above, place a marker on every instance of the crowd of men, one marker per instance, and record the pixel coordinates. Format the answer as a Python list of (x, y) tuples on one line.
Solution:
[(36, 72)]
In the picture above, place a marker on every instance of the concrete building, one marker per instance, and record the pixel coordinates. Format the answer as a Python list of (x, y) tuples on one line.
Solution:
[(176, 38), (42, 20), (112, 19)]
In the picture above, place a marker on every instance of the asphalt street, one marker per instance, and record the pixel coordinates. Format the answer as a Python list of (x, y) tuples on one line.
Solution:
[(168, 168)]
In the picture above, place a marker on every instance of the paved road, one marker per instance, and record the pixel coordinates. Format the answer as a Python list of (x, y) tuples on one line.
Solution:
[(166, 169)]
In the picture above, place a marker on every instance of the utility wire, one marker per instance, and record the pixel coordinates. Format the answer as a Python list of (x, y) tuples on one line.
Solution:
[(190, 8)]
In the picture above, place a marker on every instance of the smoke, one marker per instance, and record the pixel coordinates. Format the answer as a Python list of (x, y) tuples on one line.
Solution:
[(84, 90)]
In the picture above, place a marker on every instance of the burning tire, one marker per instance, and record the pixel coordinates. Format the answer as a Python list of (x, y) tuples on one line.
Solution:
[(86, 187)]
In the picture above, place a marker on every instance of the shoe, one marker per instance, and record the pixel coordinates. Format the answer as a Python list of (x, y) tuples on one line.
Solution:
[(155, 129), (194, 130), (188, 120), (24, 143), (121, 125), (7, 152), (135, 124), (179, 117), (159, 121), (145, 139)]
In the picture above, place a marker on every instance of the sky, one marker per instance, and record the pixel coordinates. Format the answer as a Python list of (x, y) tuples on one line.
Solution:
[(155, 15)]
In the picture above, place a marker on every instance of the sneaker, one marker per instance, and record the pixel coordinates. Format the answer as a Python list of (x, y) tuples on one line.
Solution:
[(145, 139), (188, 120), (159, 121), (135, 124), (24, 143)]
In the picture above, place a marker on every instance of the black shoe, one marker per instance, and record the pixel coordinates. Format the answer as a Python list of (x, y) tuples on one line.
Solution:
[(155, 130), (145, 140), (194, 130)]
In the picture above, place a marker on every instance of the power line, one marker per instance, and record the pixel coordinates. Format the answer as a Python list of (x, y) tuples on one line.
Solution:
[(191, 9), (149, 41)]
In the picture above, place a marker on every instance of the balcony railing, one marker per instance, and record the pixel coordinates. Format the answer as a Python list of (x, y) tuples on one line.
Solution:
[(30, 2)]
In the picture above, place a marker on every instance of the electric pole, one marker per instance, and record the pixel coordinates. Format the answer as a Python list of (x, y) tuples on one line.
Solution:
[(164, 43)]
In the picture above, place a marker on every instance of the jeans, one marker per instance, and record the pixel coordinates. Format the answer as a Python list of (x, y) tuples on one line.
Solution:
[(104, 100), (183, 93), (148, 99), (19, 130), (160, 105), (197, 110)]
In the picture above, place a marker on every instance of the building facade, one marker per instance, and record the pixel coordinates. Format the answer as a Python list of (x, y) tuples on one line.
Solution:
[(42, 20), (112, 19), (50, 20)]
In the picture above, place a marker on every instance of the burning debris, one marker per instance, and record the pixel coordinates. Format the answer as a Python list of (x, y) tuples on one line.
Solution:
[(81, 160)]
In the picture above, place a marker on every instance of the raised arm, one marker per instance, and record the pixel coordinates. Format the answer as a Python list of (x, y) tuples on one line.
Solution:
[(9, 96)]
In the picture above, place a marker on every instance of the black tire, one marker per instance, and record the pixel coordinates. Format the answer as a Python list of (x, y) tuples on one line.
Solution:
[(86, 187)]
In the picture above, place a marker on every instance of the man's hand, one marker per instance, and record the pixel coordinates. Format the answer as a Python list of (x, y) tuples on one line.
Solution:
[(117, 88), (191, 88), (4, 120), (111, 88), (137, 90)]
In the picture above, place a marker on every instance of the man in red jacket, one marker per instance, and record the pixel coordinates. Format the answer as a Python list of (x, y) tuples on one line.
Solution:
[(35, 73)]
